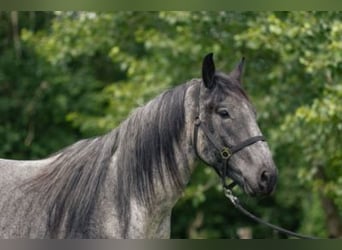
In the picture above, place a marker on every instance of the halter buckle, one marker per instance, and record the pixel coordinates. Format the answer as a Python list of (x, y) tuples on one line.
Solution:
[(226, 153)]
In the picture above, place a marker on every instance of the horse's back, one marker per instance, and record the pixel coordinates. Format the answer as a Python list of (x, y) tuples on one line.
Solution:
[(18, 211), (14, 171)]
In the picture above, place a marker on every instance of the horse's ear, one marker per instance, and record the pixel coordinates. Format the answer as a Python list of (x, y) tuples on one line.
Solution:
[(237, 72), (208, 71)]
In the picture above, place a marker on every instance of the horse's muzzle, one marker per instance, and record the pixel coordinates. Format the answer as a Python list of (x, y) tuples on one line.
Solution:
[(267, 181)]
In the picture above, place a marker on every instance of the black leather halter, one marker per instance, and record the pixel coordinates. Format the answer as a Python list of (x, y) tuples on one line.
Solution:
[(225, 151)]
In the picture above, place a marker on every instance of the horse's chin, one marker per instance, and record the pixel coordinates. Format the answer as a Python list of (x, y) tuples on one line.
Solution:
[(243, 183), (249, 190), (240, 181)]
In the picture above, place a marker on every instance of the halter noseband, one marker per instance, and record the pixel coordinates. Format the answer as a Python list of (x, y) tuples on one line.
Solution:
[(225, 151)]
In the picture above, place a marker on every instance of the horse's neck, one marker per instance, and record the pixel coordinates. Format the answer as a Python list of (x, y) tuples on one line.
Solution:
[(185, 149), (191, 109), (144, 222), (186, 161)]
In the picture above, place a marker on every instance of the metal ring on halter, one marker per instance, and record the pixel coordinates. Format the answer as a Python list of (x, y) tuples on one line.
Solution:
[(226, 153)]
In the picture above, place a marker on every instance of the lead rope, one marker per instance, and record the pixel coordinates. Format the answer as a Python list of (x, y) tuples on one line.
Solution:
[(227, 189), (236, 202)]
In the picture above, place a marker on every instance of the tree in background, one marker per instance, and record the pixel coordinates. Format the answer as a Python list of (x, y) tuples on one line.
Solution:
[(304, 103), (68, 75)]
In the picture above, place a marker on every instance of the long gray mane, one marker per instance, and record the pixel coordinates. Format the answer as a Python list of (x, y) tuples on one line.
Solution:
[(142, 144)]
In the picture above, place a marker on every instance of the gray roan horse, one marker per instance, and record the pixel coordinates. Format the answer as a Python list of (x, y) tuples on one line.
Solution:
[(124, 184)]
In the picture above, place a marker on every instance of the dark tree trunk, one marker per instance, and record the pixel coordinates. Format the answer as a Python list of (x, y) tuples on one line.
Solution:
[(15, 30), (332, 217)]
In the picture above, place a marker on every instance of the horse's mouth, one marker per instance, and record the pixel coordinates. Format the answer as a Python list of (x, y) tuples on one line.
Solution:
[(249, 190), (237, 177)]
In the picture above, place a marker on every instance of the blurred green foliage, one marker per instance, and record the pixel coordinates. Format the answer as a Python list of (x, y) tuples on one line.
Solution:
[(70, 75)]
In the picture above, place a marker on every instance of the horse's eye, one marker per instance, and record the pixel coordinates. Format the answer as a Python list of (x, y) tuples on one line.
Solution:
[(223, 113)]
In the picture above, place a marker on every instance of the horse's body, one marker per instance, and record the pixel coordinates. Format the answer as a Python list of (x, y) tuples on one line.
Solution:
[(125, 183)]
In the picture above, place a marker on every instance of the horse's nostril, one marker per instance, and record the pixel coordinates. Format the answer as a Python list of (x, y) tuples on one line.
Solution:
[(264, 181), (265, 176), (267, 181)]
